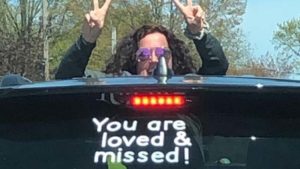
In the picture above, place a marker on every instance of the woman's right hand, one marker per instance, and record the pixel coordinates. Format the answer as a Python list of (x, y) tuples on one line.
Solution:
[(193, 14), (94, 21)]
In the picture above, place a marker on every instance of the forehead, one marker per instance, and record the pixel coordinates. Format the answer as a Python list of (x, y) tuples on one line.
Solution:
[(152, 40)]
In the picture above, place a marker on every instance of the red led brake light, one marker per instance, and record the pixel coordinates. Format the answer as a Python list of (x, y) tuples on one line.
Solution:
[(157, 100)]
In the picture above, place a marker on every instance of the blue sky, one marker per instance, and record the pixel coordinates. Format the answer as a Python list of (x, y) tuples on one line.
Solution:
[(261, 19)]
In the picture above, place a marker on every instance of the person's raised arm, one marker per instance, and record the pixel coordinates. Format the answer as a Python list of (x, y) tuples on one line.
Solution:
[(214, 62), (76, 59), (94, 21)]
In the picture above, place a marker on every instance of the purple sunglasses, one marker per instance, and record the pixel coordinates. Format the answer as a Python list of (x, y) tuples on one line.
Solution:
[(144, 54)]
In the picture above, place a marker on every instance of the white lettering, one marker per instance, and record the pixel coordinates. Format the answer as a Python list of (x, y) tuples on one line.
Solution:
[(119, 155), (166, 124), (104, 138), (114, 126), (154, 125), (142, 157), (186, 155), (117, 143), (179, 125), (128, 157), (142, 141), (100, 124), (128, 142), (158, 140), (157, 157), (104, 155), (114, 141), (173, 156), (130, 128)]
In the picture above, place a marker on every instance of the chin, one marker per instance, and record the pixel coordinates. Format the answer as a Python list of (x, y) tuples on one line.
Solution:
[(143, 73)]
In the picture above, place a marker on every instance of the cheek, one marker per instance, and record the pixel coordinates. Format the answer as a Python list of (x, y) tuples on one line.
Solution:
[(141, 67), (170, 64)]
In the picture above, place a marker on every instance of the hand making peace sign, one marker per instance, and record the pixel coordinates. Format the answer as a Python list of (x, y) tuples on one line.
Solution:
[(193, 14), (94, 21)]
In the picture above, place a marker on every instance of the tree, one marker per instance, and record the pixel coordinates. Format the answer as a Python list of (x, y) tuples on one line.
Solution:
[(287, 37), (268, 65), (281, 64), (21, 43), (126, 15), (225, 18)]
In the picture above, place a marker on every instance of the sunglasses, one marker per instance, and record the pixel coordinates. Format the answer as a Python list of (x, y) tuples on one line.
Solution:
[(144, 54)]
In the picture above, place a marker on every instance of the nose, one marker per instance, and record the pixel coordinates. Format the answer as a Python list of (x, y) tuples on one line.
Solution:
[(153, 62), (154, 58)]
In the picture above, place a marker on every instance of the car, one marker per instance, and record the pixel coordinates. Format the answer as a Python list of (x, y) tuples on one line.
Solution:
[(240, 112), (191, 121)]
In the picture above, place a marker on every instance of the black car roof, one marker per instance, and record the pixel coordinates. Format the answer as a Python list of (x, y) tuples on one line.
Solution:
[(194, 80)]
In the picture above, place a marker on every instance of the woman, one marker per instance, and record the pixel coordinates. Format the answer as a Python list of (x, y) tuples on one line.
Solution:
[(138, 52)]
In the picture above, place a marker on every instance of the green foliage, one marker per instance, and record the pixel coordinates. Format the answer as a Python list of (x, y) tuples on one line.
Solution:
[(115, 165), (287, 42), (66, 18), (59, 46), (268, 65), (21, 43), (225, 17), (287, 38)]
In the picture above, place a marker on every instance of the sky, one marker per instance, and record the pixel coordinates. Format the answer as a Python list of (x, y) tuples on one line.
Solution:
[(261, 19)]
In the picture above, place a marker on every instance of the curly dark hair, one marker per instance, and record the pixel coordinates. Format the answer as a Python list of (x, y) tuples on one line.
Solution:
[(125, 57)]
